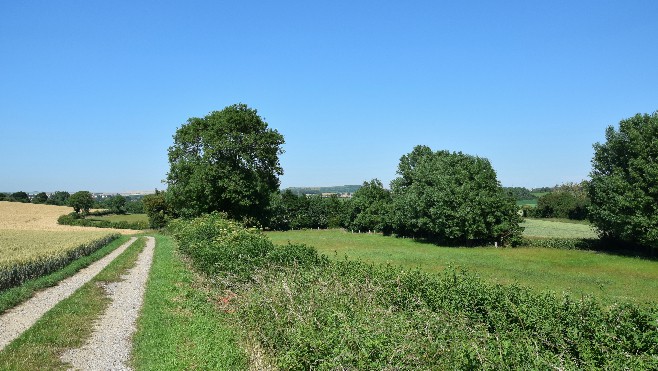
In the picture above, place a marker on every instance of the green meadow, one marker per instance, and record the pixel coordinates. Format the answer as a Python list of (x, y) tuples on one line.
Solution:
[(608, 277)]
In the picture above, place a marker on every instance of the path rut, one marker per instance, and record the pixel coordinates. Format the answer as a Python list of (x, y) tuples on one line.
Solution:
[(110, 344), (20, 318)]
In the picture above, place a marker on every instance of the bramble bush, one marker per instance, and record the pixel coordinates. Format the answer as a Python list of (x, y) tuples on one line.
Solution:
[(308, 312)]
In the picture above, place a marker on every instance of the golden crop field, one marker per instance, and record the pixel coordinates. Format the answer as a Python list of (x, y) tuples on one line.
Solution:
[(33, 244), (31, 217), (23, 245)]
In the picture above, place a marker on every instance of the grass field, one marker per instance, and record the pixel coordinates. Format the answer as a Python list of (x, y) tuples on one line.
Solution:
[(526, 202), (123, 218), (550, 228), (608, 277)]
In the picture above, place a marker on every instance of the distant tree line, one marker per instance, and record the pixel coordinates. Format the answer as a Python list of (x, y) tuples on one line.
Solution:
[(81, 201), (519, 193)]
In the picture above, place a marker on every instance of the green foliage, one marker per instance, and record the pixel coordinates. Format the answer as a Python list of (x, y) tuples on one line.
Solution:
[(227, 161), (59, 198), (623, 188), (369, 208), (349, 315), (157, 209), (289, 211), (298, 191), (519, 193), (135, 206), (40, 198), (568, 201), (20, 197), (17, 273), (218, 245), (451, 198), (116, 204), (3, 196), (81, 201)]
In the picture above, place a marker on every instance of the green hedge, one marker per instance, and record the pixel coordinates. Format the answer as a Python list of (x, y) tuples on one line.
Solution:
[(308, 312)]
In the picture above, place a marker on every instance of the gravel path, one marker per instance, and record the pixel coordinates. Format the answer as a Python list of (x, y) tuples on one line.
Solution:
[(110, 343), (18, 319)]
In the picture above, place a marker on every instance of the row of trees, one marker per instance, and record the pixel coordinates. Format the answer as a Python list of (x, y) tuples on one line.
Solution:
[(60, 198), (80, 201), (228, 161)]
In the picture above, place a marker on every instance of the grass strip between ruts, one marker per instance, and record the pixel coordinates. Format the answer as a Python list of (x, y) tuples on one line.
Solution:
[(69, 323), (179, 327), (12, 297)]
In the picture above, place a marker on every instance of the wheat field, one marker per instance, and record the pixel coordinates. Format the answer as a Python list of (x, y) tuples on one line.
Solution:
[(33, 244), (30, 217)]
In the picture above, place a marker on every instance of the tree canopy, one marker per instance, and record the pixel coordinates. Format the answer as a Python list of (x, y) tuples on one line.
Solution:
[(81, 201), (227, 161), (20, 196), (568, 201), (156, 208), (58, 198), (40, 198), (369, 208), (451, 197), (624, 190)]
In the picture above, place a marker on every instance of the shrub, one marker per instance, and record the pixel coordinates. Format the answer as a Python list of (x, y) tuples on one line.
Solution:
[(218, 245)]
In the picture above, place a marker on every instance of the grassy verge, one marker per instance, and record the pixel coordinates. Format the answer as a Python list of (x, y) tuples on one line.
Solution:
[(68, 324), (608, 277), (16, 295), (179, 328)]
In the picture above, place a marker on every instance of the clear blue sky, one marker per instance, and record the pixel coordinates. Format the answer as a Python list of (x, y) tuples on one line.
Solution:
[(91, 92)]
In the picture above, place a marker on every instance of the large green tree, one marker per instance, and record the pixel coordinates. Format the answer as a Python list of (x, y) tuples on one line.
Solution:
[(568, 201), (226, 161), (369, 207), (116, 204), (624, 188), (156, 208), (59, 198), (40, 198), (451, 197), (20, 196), (81, 201)]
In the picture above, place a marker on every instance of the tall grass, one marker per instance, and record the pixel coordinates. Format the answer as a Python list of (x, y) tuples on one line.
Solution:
[(309, 312)]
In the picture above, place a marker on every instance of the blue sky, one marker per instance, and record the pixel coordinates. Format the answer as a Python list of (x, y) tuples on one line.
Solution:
[(91, 92)]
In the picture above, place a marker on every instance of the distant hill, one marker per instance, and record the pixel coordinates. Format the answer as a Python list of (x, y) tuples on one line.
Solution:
[(319, 190)]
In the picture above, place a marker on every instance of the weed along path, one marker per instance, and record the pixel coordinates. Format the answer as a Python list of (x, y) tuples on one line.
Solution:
[(16, 320), (109, 346)]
